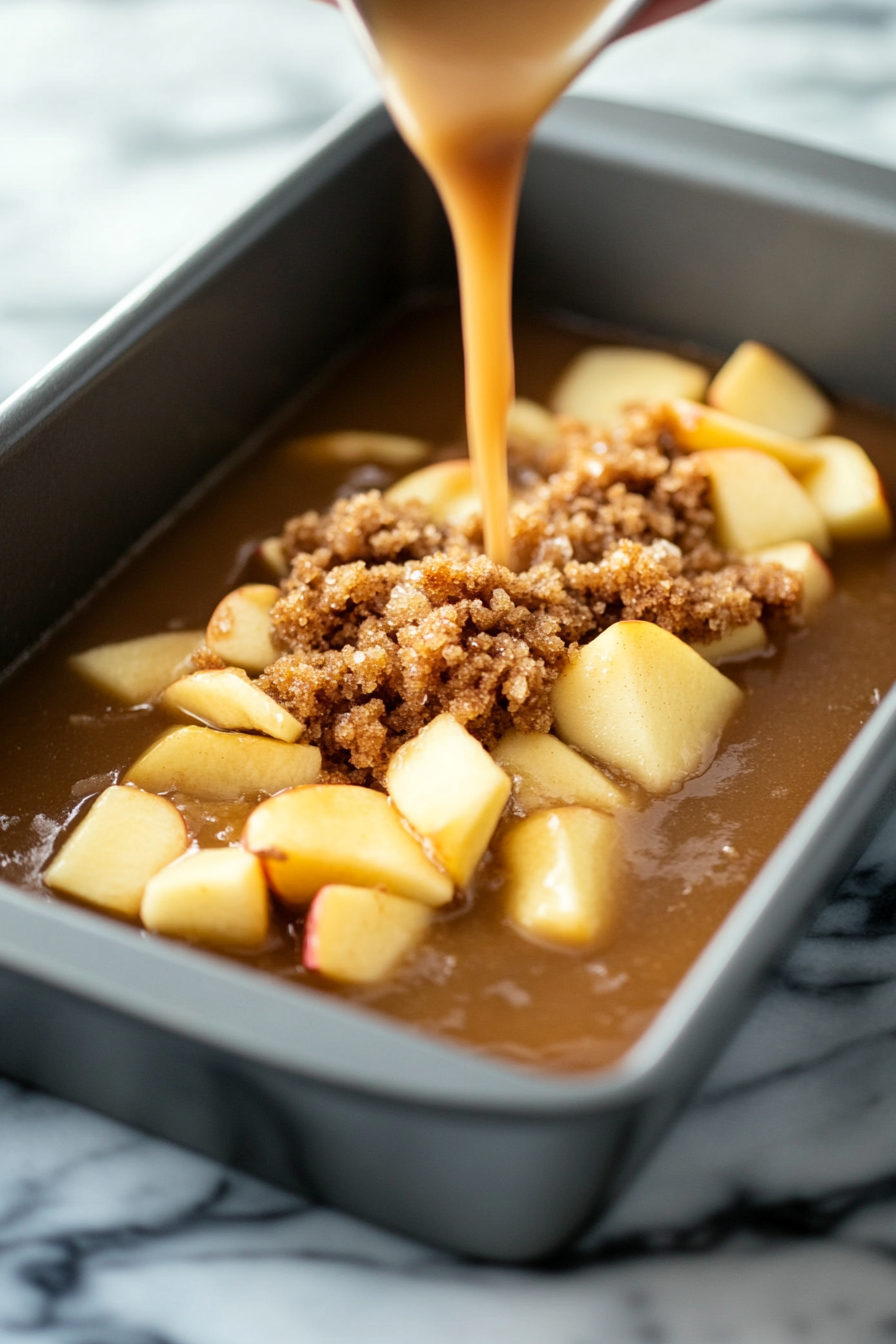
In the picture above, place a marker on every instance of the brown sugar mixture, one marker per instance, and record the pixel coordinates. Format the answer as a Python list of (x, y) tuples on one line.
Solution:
[(388, 620), (389, 616)]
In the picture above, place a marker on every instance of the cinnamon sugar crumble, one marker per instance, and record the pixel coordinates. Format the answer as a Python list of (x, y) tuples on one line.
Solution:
[(388, 618)]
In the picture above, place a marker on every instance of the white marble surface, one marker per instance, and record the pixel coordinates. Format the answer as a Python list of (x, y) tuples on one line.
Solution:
[(769, 1214), (134, 127)]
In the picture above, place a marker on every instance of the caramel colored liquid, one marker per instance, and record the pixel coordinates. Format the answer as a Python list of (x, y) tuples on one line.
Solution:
[(474, 980), (466, 81)]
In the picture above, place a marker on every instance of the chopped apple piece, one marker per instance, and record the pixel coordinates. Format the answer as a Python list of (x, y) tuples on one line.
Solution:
[(533, 436), (445, 488), (758, 503), (138, 670), (451, 791), (360, 934), (126, 838), (215, 896), (848, 491), (530, 425), (743, 642), (240, 628), (209, 764), (704, 429), (273, 556), (340, 833), (547, 773), (640, 700), (759, 385), (600, 383), (228, 699), (562, 876), (803, 559), (354, 446)]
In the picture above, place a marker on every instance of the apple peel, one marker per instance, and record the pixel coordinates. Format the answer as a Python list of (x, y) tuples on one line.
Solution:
[(360, 934)]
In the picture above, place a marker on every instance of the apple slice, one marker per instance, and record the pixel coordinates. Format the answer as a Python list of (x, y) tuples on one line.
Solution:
[(222, 766), (530, 425), (273, 556), (445, 488), (451, 791), (803, 559), (743, 642), (228, 699), (354, 446), (138, 670), (758, 503), (563, 875), (214, 896), (533, 436), (547, 773), (360, 934), (126, 838), (641, 701), (340, 833), (759, 385), (603, 381), (847, 489), (240, 628), (704, 429)]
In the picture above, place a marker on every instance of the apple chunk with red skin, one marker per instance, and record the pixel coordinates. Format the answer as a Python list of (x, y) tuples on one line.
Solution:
[(641, 701), (214, 896), (758, 503), (847, 489), (360, 934), (761, 386), (240, 628), (546, 773), (228, 699), (210, 764), (562, 870), (137, 670), (445, 784), (340, 833), (125, 839)]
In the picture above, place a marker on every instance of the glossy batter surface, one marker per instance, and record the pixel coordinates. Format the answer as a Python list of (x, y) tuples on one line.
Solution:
[(476, 980)]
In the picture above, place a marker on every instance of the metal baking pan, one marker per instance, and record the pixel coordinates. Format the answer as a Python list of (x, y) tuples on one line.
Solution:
[(657, 222)]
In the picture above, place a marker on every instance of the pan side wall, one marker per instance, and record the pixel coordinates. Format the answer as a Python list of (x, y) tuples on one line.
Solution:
[(497, 1186), (668, 230), (114, 438), (160, 402)]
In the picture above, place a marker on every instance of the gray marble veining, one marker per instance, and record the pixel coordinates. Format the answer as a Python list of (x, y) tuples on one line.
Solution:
[(769, 1213)]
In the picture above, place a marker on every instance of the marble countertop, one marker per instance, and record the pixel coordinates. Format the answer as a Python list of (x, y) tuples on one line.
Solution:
[(769, 1213)]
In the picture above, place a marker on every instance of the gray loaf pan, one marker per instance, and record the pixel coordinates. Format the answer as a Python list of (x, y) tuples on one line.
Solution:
[(678, 228)]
